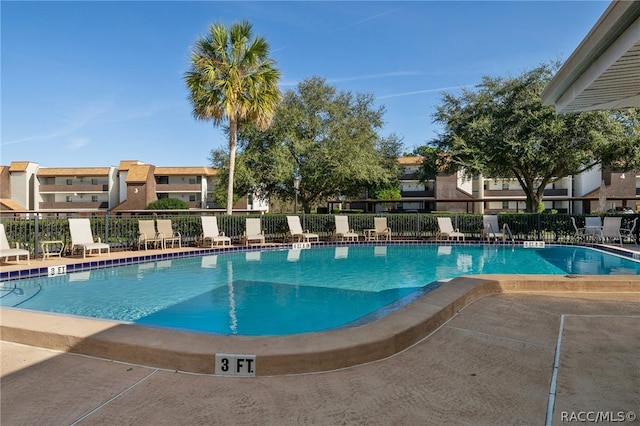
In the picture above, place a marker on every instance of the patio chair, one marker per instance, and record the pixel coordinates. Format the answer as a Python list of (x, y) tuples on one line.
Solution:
[(211, 233), (147, 234), (342, 229), (630, 233), (611, 229), (591, 231), (491, 229), (6, 251), (166, 232), (296, 232), (253, 231), (381, 228), (82, 237), (446, 230)]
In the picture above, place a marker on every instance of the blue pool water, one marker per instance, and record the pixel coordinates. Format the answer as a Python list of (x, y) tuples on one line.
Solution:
[(281, 292)]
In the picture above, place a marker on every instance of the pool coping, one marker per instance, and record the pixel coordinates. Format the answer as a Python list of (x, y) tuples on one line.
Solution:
[(296, 354)]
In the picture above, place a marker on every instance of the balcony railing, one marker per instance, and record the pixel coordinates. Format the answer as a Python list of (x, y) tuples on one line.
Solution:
[(559, 192), (85, 188), (520, 193), (184, 187), (62, 205)]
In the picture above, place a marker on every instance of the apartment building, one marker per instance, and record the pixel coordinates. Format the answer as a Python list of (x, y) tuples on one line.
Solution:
[(75, 188), (141, 184), (132, 185), (457, 193)]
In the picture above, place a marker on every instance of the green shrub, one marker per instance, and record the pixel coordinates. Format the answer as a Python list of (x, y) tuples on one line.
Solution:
[(168, 204)]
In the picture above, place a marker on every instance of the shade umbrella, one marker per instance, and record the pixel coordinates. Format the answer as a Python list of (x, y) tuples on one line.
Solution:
[(602, 196)]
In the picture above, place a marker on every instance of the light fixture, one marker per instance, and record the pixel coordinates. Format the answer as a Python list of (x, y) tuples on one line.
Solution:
[(622, 176)]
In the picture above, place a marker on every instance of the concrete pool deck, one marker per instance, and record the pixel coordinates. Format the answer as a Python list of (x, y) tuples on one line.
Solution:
[(479, 351)]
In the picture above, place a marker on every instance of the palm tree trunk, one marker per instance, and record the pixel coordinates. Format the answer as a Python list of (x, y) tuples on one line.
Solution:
[(233, 134)]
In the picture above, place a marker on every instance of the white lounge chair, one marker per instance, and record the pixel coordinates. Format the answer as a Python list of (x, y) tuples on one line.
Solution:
[(166, 232), (82, 237), (253, 231), (446, 230), (211, 233), (6, 251), (630, 233), (342, 229), (296, 232), (491, 229), (147, 234), (381, 228), (611, 229), (592, 229)]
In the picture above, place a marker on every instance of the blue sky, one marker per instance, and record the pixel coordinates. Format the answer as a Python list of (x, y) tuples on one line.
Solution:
[(93, 83)]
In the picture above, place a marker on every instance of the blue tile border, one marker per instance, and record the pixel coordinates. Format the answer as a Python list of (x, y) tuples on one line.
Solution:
[(84, 265)]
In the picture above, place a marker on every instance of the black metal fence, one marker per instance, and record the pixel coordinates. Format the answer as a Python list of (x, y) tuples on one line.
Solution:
[(121, 232)]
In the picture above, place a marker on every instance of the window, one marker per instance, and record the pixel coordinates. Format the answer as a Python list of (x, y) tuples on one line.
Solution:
[(505, 205), (505, 186), (94, 198), (69, 200), (94, 181), (162, 180), (192, 197), (69, 181), (192, 181)]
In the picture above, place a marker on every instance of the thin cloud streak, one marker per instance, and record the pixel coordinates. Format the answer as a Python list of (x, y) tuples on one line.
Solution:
[(375, 76), (379, 15), (417, 92)]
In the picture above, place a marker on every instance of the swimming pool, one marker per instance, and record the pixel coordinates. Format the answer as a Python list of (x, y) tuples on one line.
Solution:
[(279, 292)]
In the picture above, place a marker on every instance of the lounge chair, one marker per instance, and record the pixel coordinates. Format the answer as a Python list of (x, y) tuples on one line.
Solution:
[(296, 232), (342, 229), (211, 233), (381, 228), (611, 229), (592, 229), (446, 230), (166, 232), (491, 229), (82, 237), (630, 233), (147, 234), (253, 231), (6, 251)]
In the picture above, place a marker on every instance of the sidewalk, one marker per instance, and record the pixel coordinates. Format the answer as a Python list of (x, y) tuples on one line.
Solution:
[(491, 364)]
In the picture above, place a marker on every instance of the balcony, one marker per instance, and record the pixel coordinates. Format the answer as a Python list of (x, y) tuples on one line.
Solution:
[(409, 176), (63, 205), (417, 194), (172, 187), (84, 188), (503, 193), (488, 193)]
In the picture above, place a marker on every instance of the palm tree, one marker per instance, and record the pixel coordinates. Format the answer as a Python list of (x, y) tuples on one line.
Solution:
[(233, 80)]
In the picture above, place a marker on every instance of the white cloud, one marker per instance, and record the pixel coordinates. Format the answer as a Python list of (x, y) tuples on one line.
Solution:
[(77, 143)]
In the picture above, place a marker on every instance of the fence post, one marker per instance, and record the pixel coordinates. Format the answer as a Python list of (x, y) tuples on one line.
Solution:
[(106, 227), (36, 236)]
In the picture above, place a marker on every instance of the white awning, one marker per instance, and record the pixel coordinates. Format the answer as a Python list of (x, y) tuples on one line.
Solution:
[(604, 70)]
